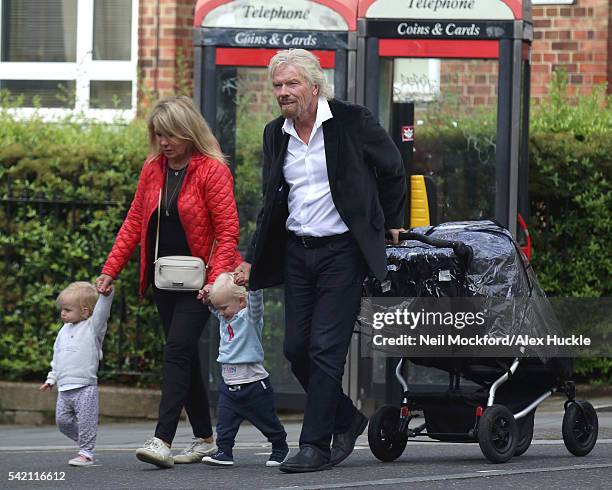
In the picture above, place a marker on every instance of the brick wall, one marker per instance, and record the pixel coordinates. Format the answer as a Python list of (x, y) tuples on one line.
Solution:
[(575, 38), (165, 53), (474, 81), (255, 83)]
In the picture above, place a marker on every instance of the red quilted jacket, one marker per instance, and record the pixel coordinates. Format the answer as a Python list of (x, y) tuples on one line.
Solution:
[(207, 211)]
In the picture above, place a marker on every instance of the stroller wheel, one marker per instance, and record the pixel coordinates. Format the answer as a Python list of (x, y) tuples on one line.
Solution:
[(497, 434), (580, 427), (384, 438), (525, 433)]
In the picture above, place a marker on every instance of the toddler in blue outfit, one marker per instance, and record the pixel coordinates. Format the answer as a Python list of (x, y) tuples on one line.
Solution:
[(245, 392)]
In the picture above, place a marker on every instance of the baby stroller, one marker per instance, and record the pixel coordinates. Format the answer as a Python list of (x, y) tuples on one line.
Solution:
[(477, 259)]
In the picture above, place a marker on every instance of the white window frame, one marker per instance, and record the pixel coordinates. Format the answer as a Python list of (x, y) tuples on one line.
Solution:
[(83, 71)]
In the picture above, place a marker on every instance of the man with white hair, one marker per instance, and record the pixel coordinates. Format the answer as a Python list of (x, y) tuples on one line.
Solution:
[(333, 182)]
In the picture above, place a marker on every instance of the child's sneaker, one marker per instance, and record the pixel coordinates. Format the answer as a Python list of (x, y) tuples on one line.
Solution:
[(218, 459), (278, 456), (194, 453), (81, 460), (154, 451)]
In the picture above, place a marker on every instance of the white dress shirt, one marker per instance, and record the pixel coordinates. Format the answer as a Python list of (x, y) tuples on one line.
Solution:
[(311, 209)]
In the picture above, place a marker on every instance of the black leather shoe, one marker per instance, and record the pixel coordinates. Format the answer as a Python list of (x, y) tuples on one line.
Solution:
[(306, 460), (344, 443)]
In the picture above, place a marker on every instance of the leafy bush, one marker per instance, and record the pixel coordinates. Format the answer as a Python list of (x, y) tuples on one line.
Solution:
[(571, 200), (459, 156), (65, 190)]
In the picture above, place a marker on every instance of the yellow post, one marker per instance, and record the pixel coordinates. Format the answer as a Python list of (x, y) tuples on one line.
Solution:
[(419, 204)]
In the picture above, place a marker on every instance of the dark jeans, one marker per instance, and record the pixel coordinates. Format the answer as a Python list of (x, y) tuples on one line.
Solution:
[(183, 317), (322, 298), (253, 402)]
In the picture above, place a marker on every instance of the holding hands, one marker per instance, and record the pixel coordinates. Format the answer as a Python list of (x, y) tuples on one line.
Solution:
[(203, 293), (104, 284), (242, 273), (241, 278)]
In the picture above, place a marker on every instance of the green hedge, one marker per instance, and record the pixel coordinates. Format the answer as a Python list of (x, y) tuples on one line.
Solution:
[(571, 201), (65, 188)]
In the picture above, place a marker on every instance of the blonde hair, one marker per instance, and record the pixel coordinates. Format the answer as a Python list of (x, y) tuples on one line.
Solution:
[(225, 282), (178, 117), (81, 292), (308, 65)]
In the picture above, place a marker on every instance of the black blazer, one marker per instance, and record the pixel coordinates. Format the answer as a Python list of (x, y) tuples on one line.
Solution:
[(367, 182)]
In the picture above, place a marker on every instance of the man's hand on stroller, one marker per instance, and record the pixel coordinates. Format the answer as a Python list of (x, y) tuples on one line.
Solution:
[(393, 235)]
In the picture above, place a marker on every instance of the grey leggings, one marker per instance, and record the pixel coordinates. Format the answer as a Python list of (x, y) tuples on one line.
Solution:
[(76, 415)]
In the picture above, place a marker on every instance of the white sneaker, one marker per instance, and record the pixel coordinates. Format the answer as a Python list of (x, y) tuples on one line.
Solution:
[(80, 460), (154, 451), (194, 453)]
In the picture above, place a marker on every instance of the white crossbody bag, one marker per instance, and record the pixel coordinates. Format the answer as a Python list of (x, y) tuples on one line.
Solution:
[(178, 272)]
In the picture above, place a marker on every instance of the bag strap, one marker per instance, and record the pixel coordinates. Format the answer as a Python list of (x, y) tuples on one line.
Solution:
[(158, 218), (212, 249)]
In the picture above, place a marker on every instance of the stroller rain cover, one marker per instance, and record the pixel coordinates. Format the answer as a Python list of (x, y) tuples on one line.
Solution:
[(498, 282)]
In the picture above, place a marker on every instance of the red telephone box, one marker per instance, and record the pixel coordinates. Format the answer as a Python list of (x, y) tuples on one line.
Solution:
[(459, 58), (235, 39), (457, 72)]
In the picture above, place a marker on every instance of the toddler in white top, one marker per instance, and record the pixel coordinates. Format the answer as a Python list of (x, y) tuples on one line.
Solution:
[(76, 355)]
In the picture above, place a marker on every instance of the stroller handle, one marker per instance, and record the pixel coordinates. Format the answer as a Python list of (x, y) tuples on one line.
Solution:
[(463, 252)]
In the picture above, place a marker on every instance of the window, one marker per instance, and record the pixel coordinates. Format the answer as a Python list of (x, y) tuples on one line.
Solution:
[(110, 94), (70, 56), (111, 34), (448, 96), (39, 31), (42, 93)]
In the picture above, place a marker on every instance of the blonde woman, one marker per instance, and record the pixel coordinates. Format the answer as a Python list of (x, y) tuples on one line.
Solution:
[(197, 209)]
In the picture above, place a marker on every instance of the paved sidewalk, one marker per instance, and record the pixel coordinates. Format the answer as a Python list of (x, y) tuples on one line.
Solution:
[(34, 453), (131, 435)]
